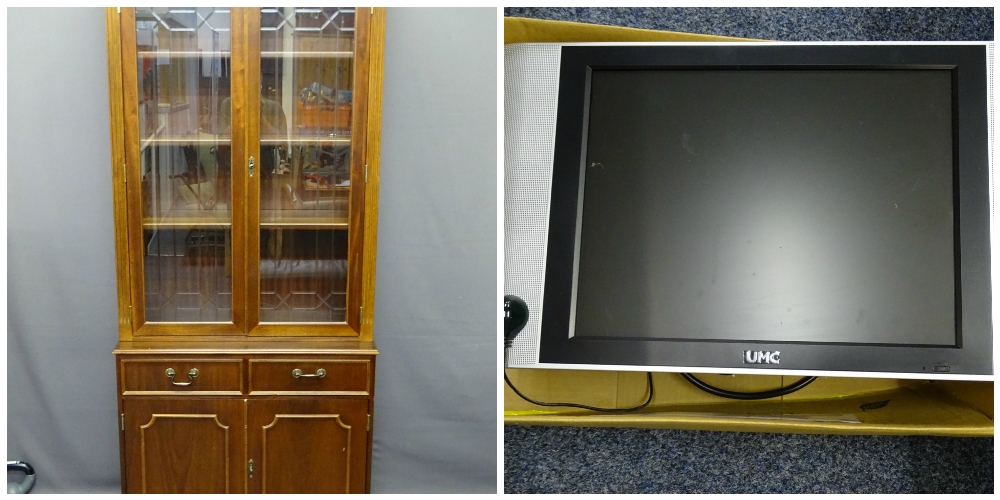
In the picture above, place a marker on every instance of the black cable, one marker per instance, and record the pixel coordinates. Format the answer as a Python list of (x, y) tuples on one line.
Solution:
[(747, 396), (649, 379), (516, 317)]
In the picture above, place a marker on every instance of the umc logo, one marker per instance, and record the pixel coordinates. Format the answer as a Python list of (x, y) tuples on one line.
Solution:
[(761, 357)]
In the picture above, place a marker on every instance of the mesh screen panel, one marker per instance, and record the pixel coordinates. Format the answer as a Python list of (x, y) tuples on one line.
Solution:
[(531, 77)]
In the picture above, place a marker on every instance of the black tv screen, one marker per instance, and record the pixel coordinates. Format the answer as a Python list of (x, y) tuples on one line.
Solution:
[(769, 205), (828, 202)]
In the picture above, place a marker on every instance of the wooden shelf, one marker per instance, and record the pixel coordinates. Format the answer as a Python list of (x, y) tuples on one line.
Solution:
[(145, 143), (158, 141), (155, 140), (308, 139), (194, 218), (337, 189), (331, 54), (303, 219), (269, 54), (246, 345)]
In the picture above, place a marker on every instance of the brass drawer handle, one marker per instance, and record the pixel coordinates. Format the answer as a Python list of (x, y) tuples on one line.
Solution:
[(191, 374), (298, 373)]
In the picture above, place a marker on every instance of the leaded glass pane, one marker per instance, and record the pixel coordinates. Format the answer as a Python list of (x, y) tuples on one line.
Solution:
[(306, 102), (184, 78)]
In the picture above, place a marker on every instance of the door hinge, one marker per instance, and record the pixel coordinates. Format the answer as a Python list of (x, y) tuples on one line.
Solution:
[(372, 11), (369, 428), (250, 468), (361, 313), (123, 421), (130, 314), (119, 10), (250, 165), (366, 173), (125, 170)]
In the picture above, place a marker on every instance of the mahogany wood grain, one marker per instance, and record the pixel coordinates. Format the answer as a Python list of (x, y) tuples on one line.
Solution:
[(241, 113), (251, 97), (130, 126), (371, 430), (308, 445), (172, 346), (344, 377), (305, 408), (117, 116), (305, 330), (190, 445), (373, 129), (215, 376), (185, 329), (359, 158)]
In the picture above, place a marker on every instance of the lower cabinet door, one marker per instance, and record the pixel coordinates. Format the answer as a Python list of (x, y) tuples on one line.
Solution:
[(188, 445), (308, 445)]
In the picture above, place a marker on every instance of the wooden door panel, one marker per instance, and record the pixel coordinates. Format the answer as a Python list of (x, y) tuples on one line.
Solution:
[(184, 445), (308, 446)]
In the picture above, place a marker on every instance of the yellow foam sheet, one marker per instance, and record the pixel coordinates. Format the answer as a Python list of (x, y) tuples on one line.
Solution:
[(521, 30), (925, 409)]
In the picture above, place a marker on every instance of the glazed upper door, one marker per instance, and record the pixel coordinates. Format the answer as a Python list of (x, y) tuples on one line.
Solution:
[(245, 135), (307, 101), (182, 133)]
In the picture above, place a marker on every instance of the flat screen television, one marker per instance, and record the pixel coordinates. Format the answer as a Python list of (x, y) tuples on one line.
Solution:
[(751, 207)]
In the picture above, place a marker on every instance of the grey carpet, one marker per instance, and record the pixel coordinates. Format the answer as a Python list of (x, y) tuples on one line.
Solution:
[(604, 460), (790, 24), (584, 460)]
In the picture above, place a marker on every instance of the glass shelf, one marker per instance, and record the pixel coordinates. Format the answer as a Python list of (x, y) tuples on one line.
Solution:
[(191, 218), (335, 140), (304, 219), (183, 140), (316, 54)]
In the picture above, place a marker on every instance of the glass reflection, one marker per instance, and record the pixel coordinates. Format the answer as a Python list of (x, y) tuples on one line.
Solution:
[(184, 78), (307, 72), (303, 275)]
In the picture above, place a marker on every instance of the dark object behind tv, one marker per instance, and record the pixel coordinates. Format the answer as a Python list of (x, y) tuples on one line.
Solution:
[(828, 202)]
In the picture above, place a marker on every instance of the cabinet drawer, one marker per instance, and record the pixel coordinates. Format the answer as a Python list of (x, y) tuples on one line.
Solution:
[(310, 375), (213, 376)]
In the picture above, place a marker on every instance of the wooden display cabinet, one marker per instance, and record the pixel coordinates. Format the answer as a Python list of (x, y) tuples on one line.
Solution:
[(245, 149)]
